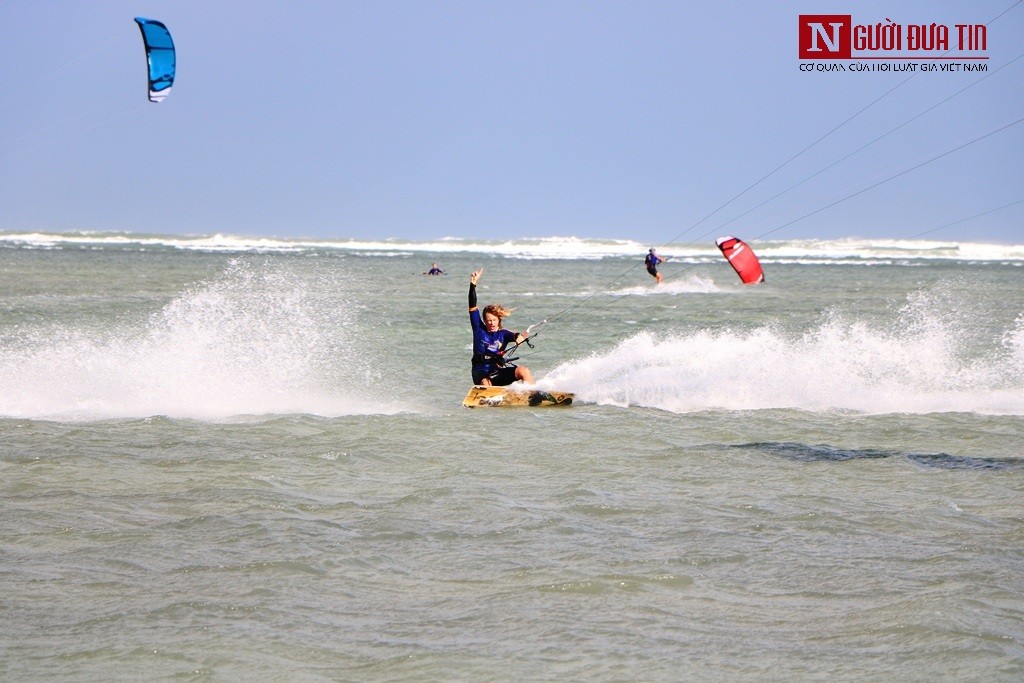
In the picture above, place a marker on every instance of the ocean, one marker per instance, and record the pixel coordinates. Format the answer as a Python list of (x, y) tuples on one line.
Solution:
[(231, 458)]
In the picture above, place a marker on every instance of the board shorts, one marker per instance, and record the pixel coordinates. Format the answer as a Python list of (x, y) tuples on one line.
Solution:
[(501, 377), (652, 270)]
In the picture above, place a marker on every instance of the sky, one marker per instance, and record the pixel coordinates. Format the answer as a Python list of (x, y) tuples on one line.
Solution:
[(427, 119)]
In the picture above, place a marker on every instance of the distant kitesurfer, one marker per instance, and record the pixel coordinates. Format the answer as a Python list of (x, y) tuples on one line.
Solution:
[(434, 270), (490, 342), (652, 262)]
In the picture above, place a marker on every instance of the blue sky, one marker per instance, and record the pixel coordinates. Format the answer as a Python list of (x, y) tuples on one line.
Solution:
[(421, 120)]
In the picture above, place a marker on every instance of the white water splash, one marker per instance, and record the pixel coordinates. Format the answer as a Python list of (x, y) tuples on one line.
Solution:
[(256, 341), (918, 365), (1013, 341), (694, 284)]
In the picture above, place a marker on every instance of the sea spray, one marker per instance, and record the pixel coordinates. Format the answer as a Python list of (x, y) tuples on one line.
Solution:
[(1013, 342), (260, 339), (915, 363), (692, 284)]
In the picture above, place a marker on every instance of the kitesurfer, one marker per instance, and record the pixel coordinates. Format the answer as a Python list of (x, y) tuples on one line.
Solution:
[(651, 261), (490, 342), (434, 270)]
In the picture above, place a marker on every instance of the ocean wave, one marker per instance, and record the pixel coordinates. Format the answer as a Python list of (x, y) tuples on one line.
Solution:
[(806, 251)]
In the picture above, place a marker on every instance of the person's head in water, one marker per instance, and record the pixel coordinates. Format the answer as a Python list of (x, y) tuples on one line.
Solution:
[(492, 315)]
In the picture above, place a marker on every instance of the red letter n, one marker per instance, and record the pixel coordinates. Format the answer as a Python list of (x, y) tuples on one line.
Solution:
[(825, 36)]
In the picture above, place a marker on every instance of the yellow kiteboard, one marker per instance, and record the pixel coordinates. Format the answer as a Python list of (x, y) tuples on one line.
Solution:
[(500, 397)]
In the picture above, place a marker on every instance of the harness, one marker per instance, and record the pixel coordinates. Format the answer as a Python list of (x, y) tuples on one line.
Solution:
[(495, 358), (498, 359)]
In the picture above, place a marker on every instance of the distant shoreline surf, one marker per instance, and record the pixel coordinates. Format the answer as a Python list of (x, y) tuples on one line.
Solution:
[(811, 251)]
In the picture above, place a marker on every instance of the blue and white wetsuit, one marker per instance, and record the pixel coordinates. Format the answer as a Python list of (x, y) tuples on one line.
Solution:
[(487, 348)]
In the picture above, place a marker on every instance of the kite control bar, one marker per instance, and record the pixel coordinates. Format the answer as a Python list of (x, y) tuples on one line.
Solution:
[(529, 332)]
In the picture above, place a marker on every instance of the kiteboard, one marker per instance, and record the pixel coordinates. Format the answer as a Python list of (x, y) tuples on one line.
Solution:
[(500, 397)]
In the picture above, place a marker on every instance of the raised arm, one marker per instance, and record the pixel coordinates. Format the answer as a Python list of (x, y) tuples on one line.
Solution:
[(474, 277)]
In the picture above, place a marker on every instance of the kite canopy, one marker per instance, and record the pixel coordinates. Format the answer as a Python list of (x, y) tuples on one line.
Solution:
[(742, 259), (159, 57)]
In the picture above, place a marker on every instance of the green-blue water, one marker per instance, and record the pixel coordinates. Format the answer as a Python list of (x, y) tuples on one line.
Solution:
[(253, 462)]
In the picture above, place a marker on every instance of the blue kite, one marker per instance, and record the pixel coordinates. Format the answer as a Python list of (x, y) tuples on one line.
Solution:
[(159, 57)]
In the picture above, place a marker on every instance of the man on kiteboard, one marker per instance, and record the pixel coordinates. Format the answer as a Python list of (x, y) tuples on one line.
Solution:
[(490, 341), (651, 261)]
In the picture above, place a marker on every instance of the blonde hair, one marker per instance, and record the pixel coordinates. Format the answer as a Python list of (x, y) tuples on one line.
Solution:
[(498, 310)]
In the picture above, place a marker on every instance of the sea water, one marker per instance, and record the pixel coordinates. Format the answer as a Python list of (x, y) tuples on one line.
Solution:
[(231, 458)]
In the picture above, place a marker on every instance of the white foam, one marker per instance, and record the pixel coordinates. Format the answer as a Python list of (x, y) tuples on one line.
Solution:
[(1013, 342), (256, 341), (916, 364), (691, 285), (848, 250)]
